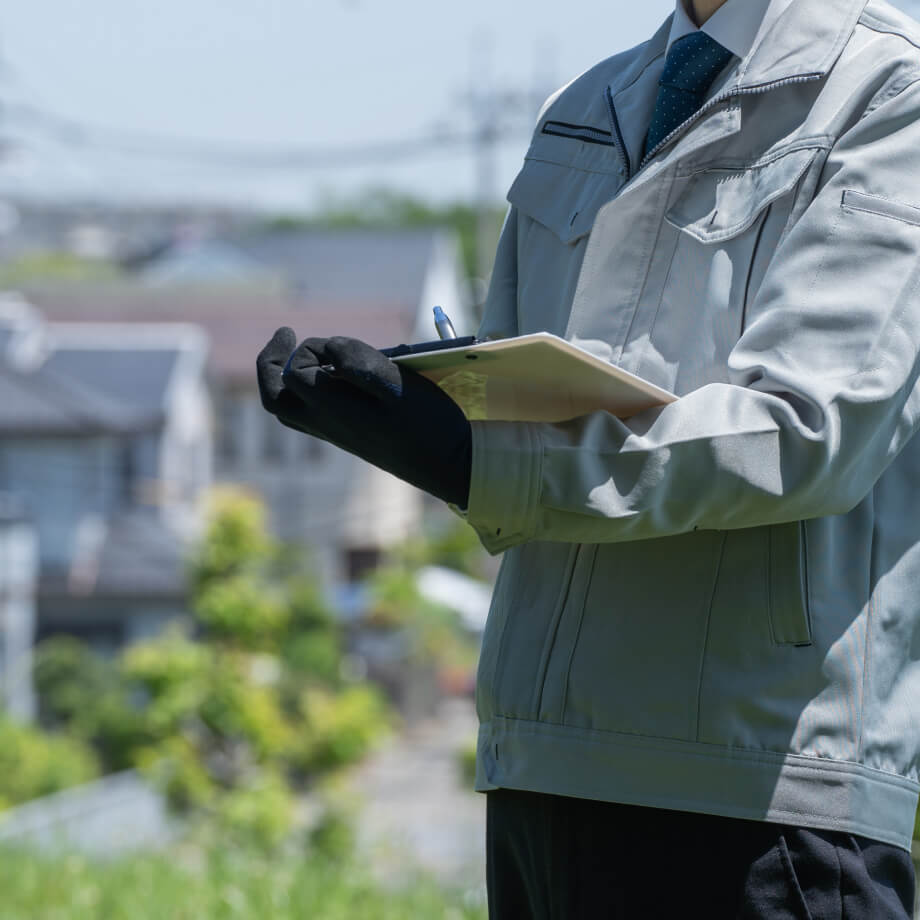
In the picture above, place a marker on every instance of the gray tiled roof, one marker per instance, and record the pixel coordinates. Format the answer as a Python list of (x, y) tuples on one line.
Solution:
[(369, 266), (12, 509), (362, 283), (140, 556), (135, 377), (137, 557), (45, 402)]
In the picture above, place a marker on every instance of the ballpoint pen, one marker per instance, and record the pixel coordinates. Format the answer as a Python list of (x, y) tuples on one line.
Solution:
[(443, 324), (448, 339)]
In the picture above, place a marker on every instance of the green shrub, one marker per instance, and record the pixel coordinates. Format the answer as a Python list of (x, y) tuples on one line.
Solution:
[(338, 729), (333, 836), (229, 720), (236, 539), (176, 767), (83, 694), (466, 759), (34, 763), (241, 608), (258, 812), (314, 655)]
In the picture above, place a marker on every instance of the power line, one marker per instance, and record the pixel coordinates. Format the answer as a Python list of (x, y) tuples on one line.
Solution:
[(78, 134)]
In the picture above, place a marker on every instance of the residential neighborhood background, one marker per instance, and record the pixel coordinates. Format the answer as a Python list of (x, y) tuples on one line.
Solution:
[(237, 664), (128, 400)]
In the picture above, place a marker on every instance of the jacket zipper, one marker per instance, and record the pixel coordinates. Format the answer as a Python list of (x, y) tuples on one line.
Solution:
[(618, 134), (718, 100)]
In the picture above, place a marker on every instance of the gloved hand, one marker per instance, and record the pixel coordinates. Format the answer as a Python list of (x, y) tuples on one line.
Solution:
[(370, 406)]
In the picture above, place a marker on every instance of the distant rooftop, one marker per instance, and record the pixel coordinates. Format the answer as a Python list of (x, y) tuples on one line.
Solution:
[(46, 402), (363, 283), (140, 556), (347, 266), (135, 555)]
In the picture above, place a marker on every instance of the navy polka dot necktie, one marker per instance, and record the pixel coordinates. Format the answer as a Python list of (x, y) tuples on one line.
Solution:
[(692, 64)]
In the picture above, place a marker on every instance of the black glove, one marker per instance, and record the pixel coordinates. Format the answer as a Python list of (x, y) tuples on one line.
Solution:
[(370, 406)]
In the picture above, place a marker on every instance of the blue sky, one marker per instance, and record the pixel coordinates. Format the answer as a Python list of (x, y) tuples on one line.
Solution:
[(280, 74)]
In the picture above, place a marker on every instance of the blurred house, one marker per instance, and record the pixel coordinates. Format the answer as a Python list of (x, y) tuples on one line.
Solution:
[(105, 437), (96, 230), (18, 577), (379, 286)]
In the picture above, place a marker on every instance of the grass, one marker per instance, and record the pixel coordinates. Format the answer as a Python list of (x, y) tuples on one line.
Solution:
[(218, 884)]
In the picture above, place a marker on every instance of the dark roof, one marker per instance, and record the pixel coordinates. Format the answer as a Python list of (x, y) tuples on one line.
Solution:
[(45, 402), (362, 283), (366, 266), (140, 556), (137, 377), (137, 557), (238, 322), (12, 509)]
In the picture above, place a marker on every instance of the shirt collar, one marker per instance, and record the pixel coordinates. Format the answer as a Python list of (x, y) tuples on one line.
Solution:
[(736, 25)]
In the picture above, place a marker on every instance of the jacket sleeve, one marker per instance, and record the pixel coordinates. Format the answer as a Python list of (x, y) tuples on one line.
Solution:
[(822, 392)]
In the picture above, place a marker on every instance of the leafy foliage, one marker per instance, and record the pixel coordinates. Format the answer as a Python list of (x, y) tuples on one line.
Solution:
[(230, 719), (34, 763), (80, 692)]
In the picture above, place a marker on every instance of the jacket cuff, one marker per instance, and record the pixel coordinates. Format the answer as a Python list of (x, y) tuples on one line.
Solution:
[(505, 483)]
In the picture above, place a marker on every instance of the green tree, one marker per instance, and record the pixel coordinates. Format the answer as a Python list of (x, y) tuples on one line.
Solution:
[(35, 763), (231, 716), (82, 693)]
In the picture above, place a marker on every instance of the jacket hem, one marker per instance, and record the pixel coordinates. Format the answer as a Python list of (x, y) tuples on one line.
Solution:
[(791, 789)]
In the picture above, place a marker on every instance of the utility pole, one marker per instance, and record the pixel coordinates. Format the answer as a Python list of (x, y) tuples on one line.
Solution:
[(496, 112)]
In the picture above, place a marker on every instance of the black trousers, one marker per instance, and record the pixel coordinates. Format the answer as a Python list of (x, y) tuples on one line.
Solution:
[(556, 858)]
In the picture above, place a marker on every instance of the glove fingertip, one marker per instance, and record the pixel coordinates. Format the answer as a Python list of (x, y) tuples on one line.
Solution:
[(285, 337)]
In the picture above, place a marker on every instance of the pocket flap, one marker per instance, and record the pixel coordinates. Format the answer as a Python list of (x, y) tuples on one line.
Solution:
[(721, 203), (562, 198)]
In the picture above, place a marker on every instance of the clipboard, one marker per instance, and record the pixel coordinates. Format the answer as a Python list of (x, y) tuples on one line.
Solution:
[(534, 378)]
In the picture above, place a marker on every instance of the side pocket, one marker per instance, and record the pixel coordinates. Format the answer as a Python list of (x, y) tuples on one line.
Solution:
[(790, 616)]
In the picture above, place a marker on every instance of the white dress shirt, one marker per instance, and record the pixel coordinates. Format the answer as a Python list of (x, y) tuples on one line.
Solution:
[(737, 25)]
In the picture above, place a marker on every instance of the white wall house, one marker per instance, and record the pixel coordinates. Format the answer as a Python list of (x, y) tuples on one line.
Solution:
[(18, 580), (105, 439), (379, 286)]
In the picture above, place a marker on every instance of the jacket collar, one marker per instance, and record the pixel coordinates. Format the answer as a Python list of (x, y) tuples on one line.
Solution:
[(806, 40)]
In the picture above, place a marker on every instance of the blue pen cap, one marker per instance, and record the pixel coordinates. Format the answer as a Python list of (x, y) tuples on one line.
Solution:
[(443, 324)]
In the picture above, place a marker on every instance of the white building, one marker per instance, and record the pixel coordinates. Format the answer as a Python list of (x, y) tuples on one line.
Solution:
[(18, 579), (379, 286), (105, 439)]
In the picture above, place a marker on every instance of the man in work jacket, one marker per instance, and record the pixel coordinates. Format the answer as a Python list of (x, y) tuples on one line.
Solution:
[(699, 688)]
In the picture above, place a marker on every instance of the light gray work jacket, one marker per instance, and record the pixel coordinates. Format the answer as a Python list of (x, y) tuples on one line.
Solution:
[(715, 606)]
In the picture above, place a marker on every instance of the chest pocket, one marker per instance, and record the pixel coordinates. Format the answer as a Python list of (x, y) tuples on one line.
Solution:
[(721, 203), (560, 189), (722, 227), (566, 178)]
